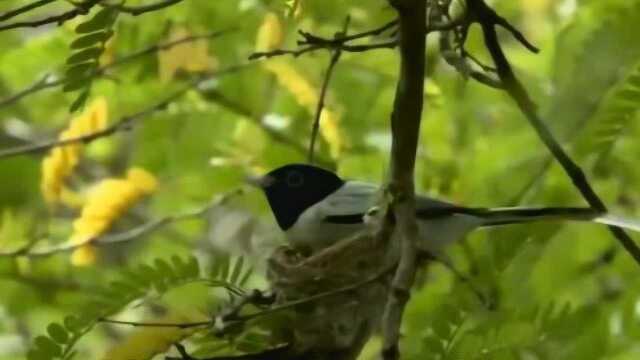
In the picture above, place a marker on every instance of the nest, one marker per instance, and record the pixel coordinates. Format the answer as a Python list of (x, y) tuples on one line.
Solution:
[(348, 284)]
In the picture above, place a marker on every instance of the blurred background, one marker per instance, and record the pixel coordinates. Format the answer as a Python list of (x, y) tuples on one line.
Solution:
[(189, 116)]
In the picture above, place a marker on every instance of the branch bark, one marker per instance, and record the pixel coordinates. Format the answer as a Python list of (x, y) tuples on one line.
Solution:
[(488, 20), (405, 127), (23, 9), (59, 19)]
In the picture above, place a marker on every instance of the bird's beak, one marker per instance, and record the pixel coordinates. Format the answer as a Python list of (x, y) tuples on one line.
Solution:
[(262, 182)]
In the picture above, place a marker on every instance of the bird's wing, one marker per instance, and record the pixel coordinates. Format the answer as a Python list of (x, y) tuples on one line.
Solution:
[(350, 203)]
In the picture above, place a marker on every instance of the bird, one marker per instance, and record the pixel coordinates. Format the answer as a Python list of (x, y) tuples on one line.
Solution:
[(315, 208)]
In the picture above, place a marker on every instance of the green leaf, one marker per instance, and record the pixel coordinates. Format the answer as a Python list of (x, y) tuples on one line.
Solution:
[(90, 54), (48, 346), (80, 71), (164, 268), (224, 267), (179, 266), (193, 268), (434, 345), (91, 39), (58, 333), (102, 20), (237, 270), (441, 328), (37, 354), (72, 324), (80, 100), (124, 288), (148, 273), (76, 85), (245, 277), (614, 115)]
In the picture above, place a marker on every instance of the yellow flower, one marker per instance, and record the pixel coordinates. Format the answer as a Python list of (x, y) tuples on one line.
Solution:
[(59, 164), (192, 56), (270, 34), (294, 8), (107, 202), (308, 96)]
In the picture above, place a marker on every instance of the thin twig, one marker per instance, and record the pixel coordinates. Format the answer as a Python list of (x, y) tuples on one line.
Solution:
[(264, 312), (310, 39), (123, 237), (405, 128), (23, 9), (138, 10), (311, 48), (276, 353), (277, 136), (335, 57), (79, 9), (184, 325), (43, 84), (125, 123), (316, 297), (488, 19), (312, 42)]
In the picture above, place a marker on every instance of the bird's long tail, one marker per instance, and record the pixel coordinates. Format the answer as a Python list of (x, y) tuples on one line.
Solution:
[(505, 216)]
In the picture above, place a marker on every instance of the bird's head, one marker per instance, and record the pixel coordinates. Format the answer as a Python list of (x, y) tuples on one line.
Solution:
[(293, 188)]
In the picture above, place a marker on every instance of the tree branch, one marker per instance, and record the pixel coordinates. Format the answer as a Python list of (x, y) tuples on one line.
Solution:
[(79, 9), (127, 236), (310, 43), (488, 19), (277, 136), (43, 84), (23, 9), (139, 10), (125, 123), (405, 127), (335, 57)]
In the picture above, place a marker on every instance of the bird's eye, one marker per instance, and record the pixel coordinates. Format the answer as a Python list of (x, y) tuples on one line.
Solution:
[(295, 179)]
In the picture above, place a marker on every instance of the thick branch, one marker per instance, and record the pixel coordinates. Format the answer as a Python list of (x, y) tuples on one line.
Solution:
[(405, 127)]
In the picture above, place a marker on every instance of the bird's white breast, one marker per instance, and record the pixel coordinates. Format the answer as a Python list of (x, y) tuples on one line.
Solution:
[(312, 230)]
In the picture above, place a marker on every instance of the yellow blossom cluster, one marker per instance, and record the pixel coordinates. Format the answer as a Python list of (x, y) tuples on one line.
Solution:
[(61, 161), (191, 56), (106, 202), (270, 34), (269, 37)]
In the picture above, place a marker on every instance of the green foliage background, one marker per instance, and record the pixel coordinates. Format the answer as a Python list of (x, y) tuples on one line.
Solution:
[(551, 296)]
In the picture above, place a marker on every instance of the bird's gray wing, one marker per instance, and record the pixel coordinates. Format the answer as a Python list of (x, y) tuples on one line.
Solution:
[(350, 203)]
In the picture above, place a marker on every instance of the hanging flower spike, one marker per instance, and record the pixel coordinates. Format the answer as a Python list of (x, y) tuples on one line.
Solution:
[(59, 164), (270, 35), (192, 56), (107, 202), (308, 96)]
